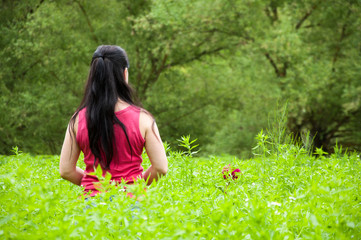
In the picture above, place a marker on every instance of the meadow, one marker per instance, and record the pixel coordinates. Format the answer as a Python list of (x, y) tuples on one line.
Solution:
[(282, 195)]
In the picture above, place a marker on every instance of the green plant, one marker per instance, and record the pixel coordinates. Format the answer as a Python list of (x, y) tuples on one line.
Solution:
[(16, 151), (188, 145), (263, 145), (319, 152)]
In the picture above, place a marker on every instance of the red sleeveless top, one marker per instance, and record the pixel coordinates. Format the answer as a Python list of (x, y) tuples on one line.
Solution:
[(125, 164)]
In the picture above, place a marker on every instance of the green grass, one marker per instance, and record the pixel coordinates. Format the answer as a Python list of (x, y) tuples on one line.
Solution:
[(289, 196)]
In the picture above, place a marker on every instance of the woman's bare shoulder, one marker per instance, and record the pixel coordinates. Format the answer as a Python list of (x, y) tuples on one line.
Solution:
[(146, 121), (145, 117), (74, 122)]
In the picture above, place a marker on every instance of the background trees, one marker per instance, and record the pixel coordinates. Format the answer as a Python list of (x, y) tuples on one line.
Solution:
[(212, 69)]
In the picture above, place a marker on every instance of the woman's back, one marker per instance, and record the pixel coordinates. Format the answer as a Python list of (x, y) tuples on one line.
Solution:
[(127, 158)]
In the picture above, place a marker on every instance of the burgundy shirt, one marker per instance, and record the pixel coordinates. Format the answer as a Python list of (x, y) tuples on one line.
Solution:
[(125, 164)]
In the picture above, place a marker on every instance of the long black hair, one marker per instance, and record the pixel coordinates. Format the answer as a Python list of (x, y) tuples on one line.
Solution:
[(105, 86)]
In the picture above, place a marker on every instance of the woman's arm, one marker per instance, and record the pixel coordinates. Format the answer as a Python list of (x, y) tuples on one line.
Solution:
[(68, 159), (155, 151)]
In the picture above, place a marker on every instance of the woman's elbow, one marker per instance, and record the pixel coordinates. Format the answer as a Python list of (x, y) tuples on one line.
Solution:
[(162, 170), (64, 173)]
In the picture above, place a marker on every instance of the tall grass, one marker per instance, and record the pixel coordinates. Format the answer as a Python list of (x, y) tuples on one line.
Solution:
[(284, 194)]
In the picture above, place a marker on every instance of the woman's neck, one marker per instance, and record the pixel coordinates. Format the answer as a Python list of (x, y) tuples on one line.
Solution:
[(120, 105)]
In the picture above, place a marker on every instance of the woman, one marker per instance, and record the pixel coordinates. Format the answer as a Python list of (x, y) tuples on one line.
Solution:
[(110, 129)]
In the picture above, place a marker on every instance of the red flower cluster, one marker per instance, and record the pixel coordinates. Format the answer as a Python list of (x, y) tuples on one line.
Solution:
[(226, 172)]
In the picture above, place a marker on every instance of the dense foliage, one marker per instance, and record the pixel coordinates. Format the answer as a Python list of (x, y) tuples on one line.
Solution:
[(288, 195), (212, 69)]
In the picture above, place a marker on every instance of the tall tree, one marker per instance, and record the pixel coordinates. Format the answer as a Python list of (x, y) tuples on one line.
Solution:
[(196, 64)]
